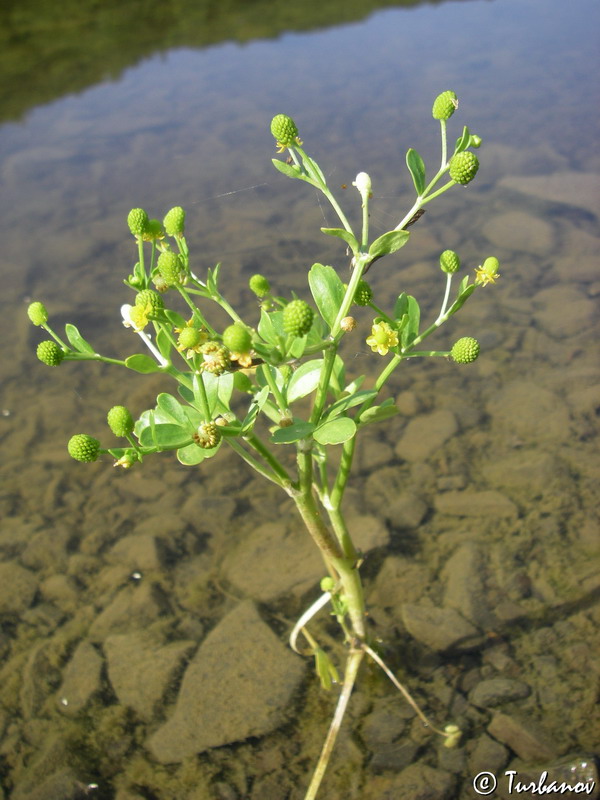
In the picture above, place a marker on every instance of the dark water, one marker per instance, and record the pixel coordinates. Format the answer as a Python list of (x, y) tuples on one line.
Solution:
[(183, 118)]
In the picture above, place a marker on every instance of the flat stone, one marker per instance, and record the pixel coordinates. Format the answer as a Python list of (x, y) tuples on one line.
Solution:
[(523, 231), (525, 409), (82, 679), (141, 551), (572, 188), (386, 495), (525, 739), (133, 608), (425, 434), (17, 588), (466, 591), (496, 691), (441, 629), (141, 670), (563, 310), (488, 503), (416, 782), (239, 684)]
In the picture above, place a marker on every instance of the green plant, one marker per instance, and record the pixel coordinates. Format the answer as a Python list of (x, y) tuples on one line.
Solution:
[(265, 367)]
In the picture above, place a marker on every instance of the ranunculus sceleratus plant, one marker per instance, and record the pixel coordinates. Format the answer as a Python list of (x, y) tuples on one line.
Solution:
[(268, 364)]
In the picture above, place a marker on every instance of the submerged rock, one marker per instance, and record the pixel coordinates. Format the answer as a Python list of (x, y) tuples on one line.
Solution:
[(239, 684)]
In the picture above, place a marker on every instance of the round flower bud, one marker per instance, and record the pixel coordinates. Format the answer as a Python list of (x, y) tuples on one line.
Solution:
[(284, 130), (216, 358), (190, 338), (150, 297), (169, 267), (348, 324), (463, 167), (259, 285), (37, 313), (50, 353), (444, 105), (237, 338), (120, 421), (208, 435), (174, 221), (363, 294), (137, 219), (465, 350), (449, 262), (154, 230), (297, 317), (82, 447)]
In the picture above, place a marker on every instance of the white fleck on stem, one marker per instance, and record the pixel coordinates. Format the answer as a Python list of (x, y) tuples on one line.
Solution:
[(125, 313)]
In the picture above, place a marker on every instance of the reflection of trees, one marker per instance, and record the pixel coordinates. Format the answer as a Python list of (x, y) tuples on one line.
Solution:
[(51, 49)]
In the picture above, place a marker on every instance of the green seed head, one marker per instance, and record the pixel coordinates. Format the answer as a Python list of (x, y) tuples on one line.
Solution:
[(190, 338), (149, 296), (444, 105), (37, 313), (449, 262), (208, 435), (120, 421), (216, 358), (259, 285), (284, 130), (463, 167), (174, 221), (84, 448), (170, 268), (297, 317), (50, 353), (465, 350), (137, 219), (237, 338), (363, 294)]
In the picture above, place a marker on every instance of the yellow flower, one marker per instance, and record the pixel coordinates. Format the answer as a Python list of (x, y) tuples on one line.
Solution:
[(243, 359), (139, 316), (488, 271), (382, 338)]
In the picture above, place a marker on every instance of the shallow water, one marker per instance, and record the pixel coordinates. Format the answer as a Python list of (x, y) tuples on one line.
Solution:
[(189, 126)]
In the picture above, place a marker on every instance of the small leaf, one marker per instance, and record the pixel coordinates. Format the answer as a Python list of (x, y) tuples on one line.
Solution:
[(342, 233), (142, 363), (335, 431), (293, 433), (304, 380), (266, 328), (174, 318), (463, 142), (163, 343), (170, 406), (410, 331), (254, 410), (77, 340), (327, 290), (313, 169), (401, 306), (345, 403), (461, 299), (192, 454), (291, 170), (378, 413), (416, 167), (164, 436), (388, 243)]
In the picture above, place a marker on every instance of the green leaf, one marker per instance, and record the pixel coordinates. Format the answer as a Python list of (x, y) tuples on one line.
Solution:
[(291, 170), (461, 299), (327, 290), (401, 306), (388, 243), (167, 436), (192, 454), (312, 168), (304, 380), (410, 331), (355, 385), (293, 433), (174, 318), (172, 408), (142, 363), (254, 410), (163, 343), (345, 403), (266, 328), (379, 413), (335, 431), (76, 339), (338, 376), (463, 141), (416, 167), (342, 233)]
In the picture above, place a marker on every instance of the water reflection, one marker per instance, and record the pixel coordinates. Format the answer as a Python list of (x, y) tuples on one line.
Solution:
[(191, 127)]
